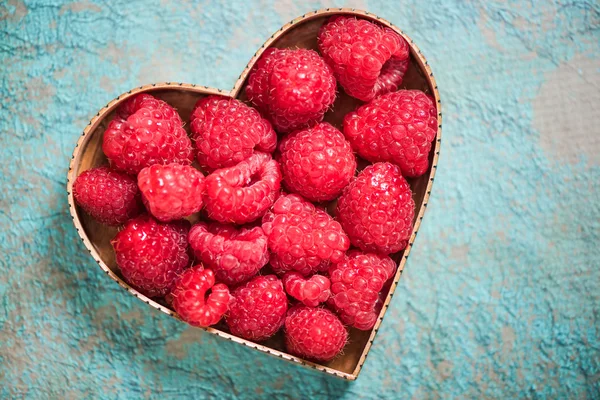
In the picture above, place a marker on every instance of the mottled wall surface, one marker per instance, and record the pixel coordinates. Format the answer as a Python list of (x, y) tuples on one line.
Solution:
[(500, 297)]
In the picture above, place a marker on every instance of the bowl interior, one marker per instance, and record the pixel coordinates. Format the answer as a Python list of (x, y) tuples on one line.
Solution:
[(301, 34)]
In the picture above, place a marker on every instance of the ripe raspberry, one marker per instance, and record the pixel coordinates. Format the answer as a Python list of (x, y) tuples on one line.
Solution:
[(368, 60), (242, 193), (234, 255), (294, 88), (257, 89), (311, 291), (302, 238), (377, 209), (314, 333), (258, 308), (317, 162), (146, 131), (227, 132), (396, 127), (171, 191), (190, 301), (109, 196), (151, 254), (355, 285)]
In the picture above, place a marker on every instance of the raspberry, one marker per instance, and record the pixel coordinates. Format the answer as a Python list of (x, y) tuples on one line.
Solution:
[(355, 285), (294, 88), (151, 254), (258, 308), (171, 191), (190, 301), (317, 162), (367, 59), (301, 237), (397, 127), (257, 89), (144, 132), (314, 333), (311, 291), (227, 132), (234, 255), (109, 196), (243, 193), (377, 209)]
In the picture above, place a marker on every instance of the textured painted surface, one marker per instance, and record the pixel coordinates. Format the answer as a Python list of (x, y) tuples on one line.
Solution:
[(500, 298)]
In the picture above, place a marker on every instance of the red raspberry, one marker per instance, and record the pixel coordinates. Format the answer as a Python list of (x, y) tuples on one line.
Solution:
[(257, 89), (171, 191), (311, 291), (355, 285), (243, 193), (314, 333), (144, 132), (110, 197), (397, 127), (317, 162), (151, 254), (190, 301), (377, 209), (258, 308), (368, 59), (234, 255), (227, 132), (302, 238), (294, 88)]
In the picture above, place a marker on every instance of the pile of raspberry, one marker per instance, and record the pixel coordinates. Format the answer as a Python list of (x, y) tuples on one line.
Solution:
[(291, 235)]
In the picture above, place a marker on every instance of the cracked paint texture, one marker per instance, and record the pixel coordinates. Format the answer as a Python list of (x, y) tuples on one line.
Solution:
[(500, 297)]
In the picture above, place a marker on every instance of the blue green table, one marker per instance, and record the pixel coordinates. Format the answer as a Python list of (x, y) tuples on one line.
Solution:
[(500, 297)]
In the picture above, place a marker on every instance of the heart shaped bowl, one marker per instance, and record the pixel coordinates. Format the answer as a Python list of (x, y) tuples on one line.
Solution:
[(299, 33)]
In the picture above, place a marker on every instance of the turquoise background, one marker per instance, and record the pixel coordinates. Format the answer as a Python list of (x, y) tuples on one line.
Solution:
[(500, 297)]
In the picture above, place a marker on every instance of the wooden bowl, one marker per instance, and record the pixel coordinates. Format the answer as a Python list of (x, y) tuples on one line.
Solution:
[(299, 33)]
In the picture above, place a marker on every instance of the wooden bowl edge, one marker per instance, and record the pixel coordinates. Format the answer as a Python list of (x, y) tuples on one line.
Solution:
[(234, 93)]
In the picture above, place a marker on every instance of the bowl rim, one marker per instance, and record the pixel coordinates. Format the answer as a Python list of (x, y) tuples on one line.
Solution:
[(234, 93)]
